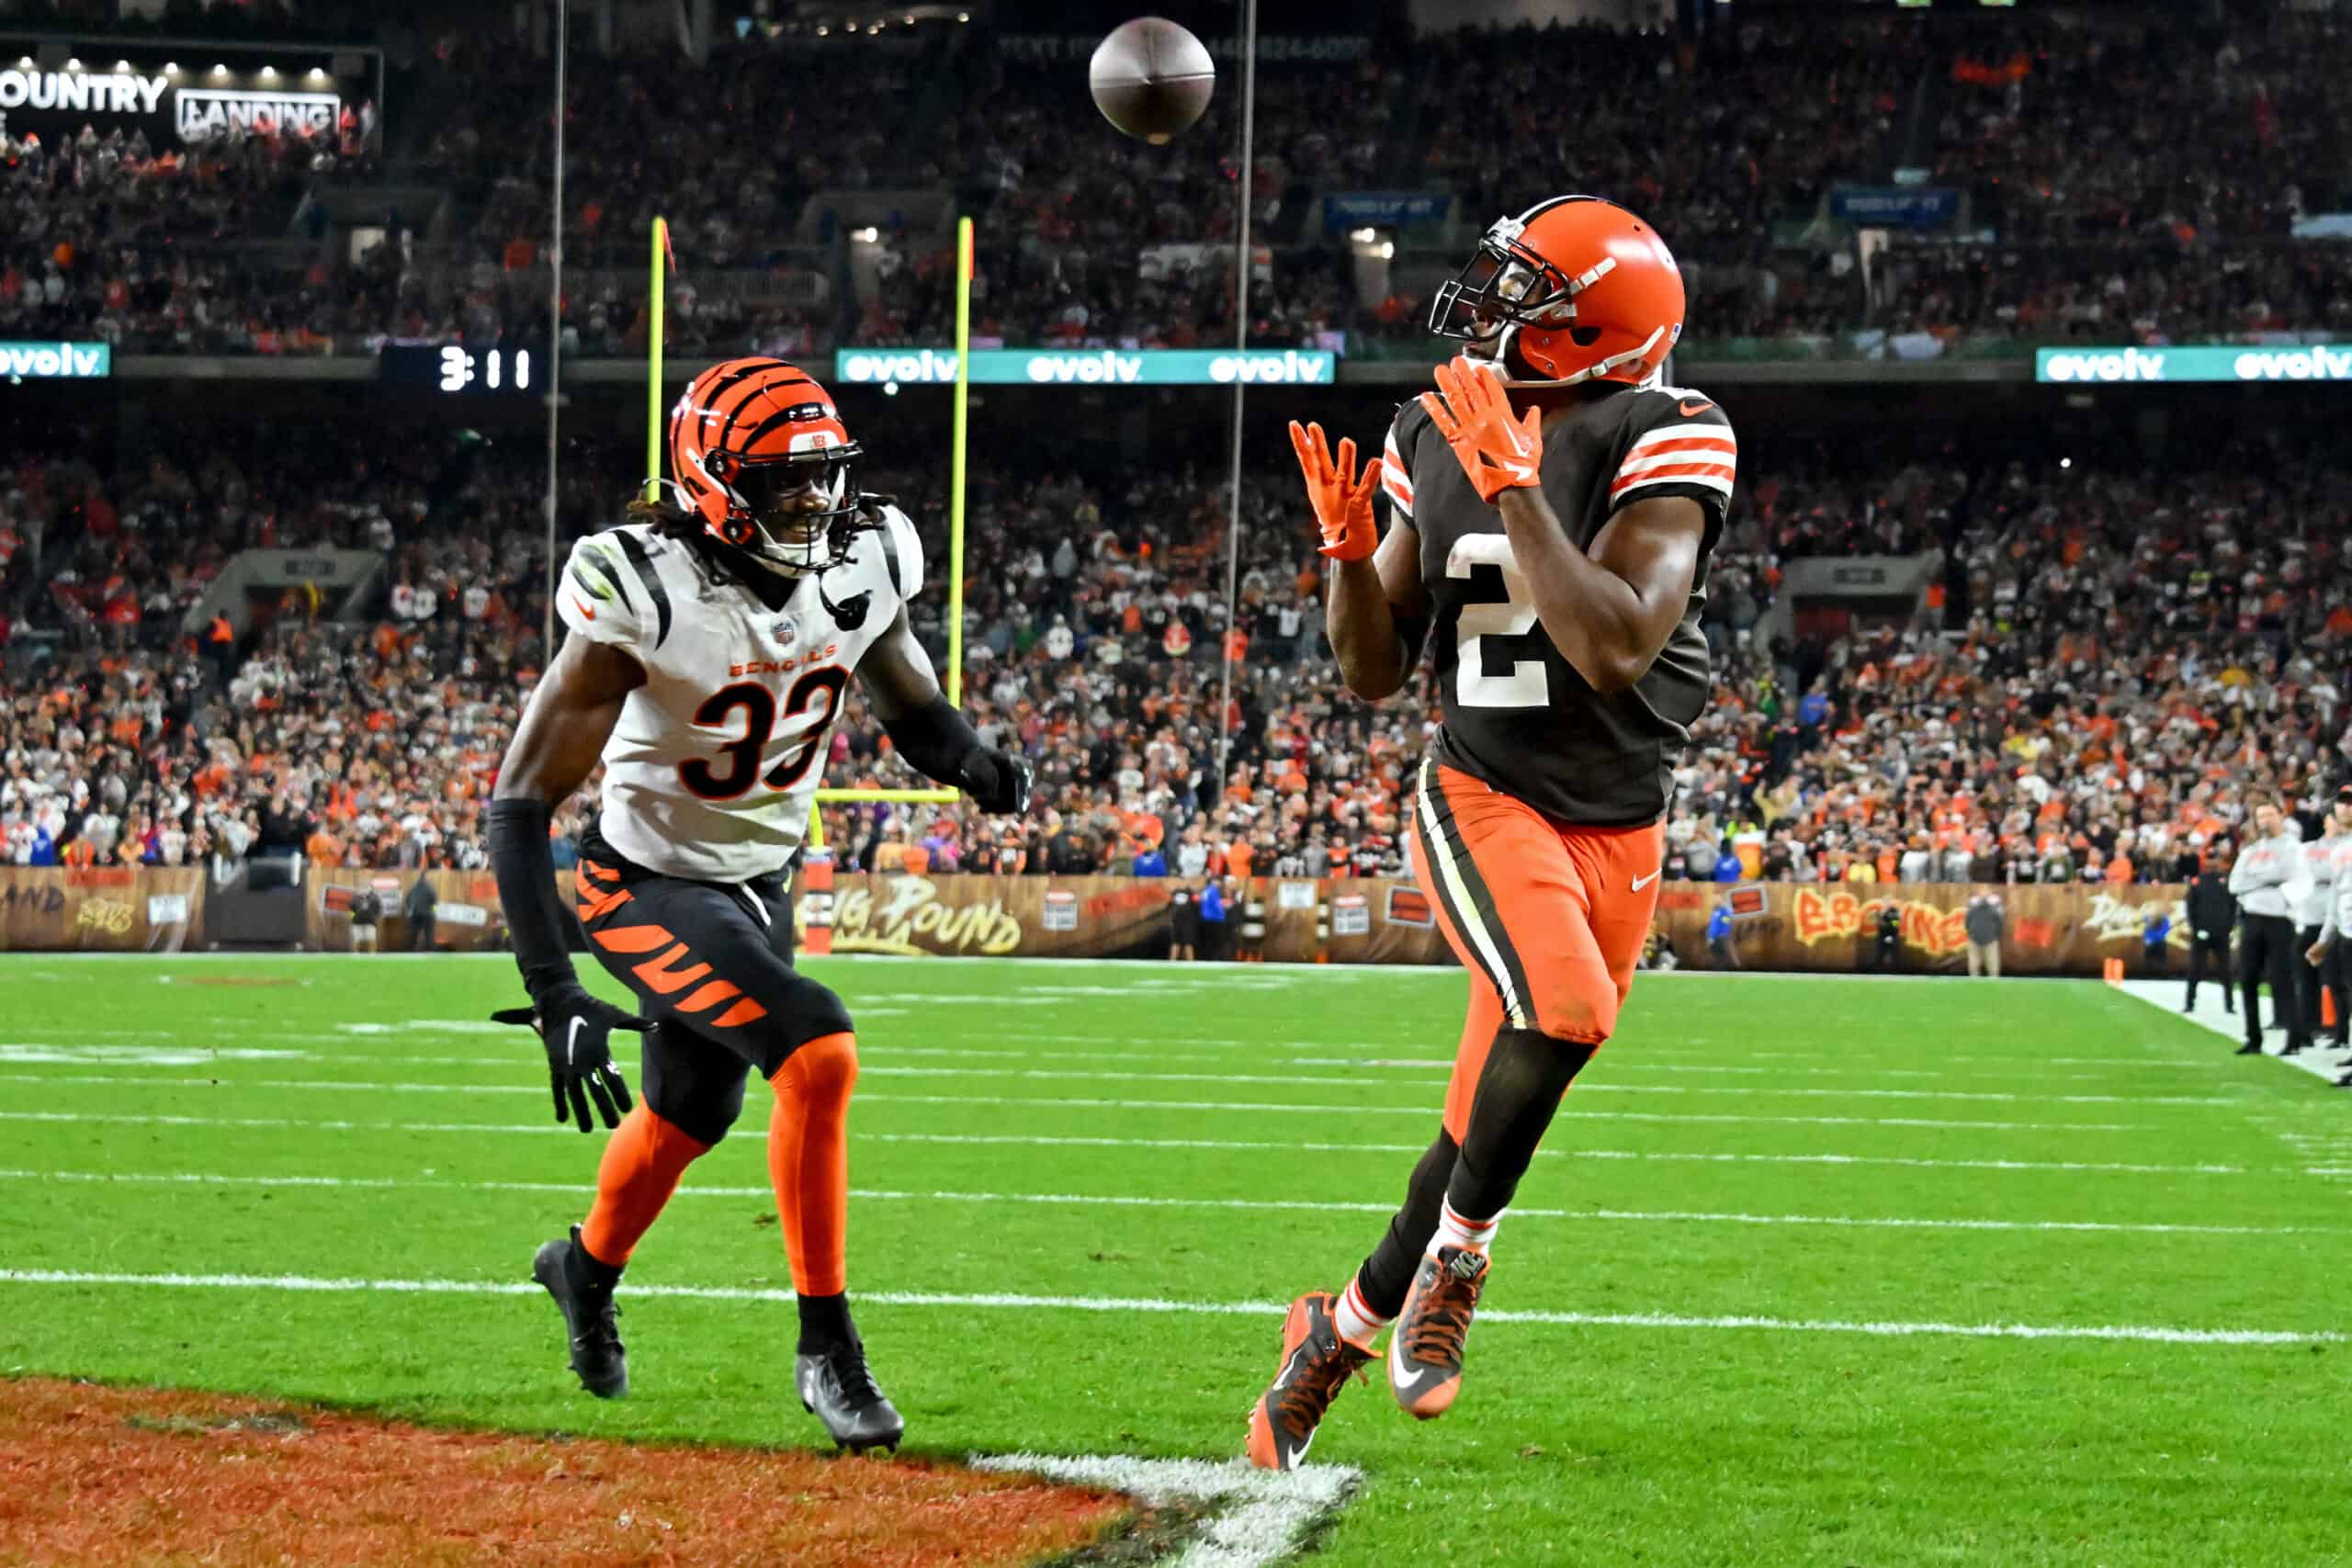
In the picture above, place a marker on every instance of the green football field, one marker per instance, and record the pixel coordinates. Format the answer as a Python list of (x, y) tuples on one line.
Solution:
[(1812, 1270)]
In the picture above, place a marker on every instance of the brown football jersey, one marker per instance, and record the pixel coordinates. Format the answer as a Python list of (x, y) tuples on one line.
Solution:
[(1516, 714)]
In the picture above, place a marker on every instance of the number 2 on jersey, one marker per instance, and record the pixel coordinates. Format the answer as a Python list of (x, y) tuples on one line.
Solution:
[(1525, 685), (760, 710)]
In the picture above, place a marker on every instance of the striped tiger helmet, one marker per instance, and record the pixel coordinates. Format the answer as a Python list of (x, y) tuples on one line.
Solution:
[(760, 452)]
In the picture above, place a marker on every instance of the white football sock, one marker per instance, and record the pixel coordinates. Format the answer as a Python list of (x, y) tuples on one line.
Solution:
[(1356, 1321), (1452, 1230)]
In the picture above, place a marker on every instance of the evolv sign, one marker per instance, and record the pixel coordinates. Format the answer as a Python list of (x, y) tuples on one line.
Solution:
[(172, 106), (1091, 366), (56, 361), (2221, 362)]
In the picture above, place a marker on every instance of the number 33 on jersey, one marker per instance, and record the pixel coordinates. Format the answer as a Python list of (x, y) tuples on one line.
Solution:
[(713, 763), (1516, 714)]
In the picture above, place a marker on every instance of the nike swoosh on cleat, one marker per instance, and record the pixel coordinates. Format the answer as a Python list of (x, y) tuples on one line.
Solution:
[(1408, 1382), (1641, 882)]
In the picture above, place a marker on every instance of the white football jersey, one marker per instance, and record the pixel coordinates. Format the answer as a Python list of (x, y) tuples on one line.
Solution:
[(710, 771)]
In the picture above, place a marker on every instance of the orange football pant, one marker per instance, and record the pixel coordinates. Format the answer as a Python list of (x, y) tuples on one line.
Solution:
[(1548, 919)]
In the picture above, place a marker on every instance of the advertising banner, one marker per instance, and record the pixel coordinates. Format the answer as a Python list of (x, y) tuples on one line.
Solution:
[(1915, 206), (1343, 211), (174, 103), (2069, 929), (110, 908), (56, 361), (2063, 928), (1091, 366), (2211, 362)]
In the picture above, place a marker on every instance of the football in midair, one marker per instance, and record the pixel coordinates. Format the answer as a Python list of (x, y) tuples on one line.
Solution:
[(1151, 78)]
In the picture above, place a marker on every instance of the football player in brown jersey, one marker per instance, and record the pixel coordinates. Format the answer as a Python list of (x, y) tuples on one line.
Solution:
[(1551, 506)]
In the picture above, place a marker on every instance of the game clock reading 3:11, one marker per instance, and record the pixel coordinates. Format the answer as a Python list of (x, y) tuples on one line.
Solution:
[(456, 368)]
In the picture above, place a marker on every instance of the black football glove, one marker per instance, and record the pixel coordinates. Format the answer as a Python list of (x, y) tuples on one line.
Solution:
[(577, 1030), (997, 780)]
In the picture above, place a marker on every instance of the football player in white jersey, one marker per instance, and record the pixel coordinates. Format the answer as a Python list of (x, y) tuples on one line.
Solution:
[(710, 645)]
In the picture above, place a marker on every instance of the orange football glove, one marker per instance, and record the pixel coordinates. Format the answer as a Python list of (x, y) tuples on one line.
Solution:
[(1343, 504), (1497, 451)]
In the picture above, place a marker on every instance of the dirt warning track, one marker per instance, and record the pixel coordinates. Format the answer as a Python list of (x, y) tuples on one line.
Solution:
[(101, 1476)]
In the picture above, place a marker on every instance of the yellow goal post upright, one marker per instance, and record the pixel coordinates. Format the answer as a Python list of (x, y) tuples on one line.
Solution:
[(953, 675)]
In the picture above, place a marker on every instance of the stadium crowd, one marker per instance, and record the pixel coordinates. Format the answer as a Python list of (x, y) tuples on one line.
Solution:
[(2109, 660), (2075, 217)]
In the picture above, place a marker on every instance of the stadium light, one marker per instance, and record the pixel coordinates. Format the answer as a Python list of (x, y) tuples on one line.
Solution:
[(122, 65), (73, 65), (219, 69), (1388, 251), (867, 235), (269, 73), (1363, 236), (318, 73), (963, 16), (824, 31), (171, 68)]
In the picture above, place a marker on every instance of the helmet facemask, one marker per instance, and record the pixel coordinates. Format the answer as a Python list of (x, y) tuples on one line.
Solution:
[(1507, 288), (796, 515)]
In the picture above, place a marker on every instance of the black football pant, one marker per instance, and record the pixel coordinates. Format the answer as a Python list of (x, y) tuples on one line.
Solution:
[(2202, 951), (711, 964), (2270, 954)]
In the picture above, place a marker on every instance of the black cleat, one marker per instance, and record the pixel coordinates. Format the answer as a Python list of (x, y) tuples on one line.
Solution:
[(2345, 1081), (2294, 1048), (838, 1388), (588, 1314), (2251, 1048)]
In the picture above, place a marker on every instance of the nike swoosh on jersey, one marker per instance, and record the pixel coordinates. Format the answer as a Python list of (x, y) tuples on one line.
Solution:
[(1641, 882), (1687, 409)]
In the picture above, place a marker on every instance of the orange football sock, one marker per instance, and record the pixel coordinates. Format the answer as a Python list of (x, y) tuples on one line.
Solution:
[(643, 1160), (809, 1160)]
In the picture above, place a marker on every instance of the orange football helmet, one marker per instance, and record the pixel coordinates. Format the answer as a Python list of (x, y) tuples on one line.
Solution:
[(1573, 289), (752, 442)]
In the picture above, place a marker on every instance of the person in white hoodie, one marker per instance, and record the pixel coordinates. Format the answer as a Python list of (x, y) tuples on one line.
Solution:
[(2270, 882), (2333, 951), (2318, 965)]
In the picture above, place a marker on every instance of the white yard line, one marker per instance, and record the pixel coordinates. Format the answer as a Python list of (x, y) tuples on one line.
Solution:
[(1091, 1201), (301, 1284), (1265, 1512), (1057, 1075), (1039, 1140), (1088, 1103)]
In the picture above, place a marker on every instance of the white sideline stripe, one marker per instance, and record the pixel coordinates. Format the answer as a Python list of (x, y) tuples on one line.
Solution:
[(1048, 1101), (300, 1283), (1269, 1511), (1040, 1140), (1051, 1075), (167, 1048), (1107, 1201)]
